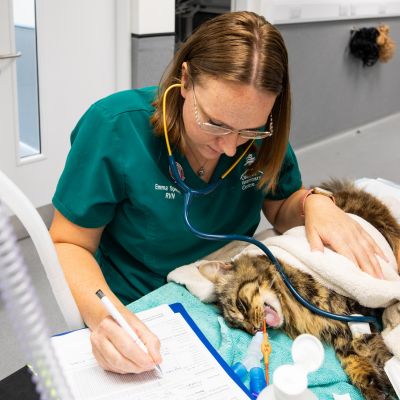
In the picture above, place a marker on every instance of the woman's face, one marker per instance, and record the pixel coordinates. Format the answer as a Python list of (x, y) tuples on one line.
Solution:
[(224, 103)]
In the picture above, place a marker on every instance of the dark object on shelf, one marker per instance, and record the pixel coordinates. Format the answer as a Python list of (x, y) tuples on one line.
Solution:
[(189, 14), (363, 45), (372, 44)]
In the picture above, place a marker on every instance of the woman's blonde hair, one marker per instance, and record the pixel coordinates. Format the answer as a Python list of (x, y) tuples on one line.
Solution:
[(240, 47)]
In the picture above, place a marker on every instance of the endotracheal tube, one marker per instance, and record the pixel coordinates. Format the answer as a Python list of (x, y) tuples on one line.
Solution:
[(251, 365), (26, 316)]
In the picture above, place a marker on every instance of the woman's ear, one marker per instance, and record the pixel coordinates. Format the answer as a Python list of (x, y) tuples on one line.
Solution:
[(184, 79)]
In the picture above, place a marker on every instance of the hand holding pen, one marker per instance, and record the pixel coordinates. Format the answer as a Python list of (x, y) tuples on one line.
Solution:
[(116, 345)]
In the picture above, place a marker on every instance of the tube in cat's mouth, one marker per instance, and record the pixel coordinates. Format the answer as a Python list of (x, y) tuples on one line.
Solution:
[(272, 317)]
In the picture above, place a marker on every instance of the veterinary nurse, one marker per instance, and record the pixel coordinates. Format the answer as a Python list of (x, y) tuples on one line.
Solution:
[(118, 223)]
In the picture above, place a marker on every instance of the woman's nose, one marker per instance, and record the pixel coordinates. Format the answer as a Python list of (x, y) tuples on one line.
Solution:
[(229, 143)]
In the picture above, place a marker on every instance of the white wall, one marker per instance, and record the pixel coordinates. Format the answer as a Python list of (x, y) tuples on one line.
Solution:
[(295, 11), (153, 16)]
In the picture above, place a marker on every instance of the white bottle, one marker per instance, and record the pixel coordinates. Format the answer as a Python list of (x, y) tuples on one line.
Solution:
[(290, 381)]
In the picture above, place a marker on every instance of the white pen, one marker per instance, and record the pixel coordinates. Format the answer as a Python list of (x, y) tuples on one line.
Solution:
[(122, 322)]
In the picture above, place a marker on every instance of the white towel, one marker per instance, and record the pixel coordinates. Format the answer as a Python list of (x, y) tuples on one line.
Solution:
[(329, 268), (336, 271)]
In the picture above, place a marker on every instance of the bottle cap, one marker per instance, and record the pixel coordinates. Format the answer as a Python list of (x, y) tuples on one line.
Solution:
[(290, 381), (308, 352), (257, 381), (240, 370)]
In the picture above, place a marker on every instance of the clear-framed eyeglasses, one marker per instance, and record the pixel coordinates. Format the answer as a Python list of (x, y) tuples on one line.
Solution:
[(218, 130)]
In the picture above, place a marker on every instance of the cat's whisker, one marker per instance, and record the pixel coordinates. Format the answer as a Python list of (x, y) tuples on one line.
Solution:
[(272, 282)]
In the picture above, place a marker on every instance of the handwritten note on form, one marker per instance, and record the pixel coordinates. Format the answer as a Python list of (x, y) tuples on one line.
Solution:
[(190, 371)]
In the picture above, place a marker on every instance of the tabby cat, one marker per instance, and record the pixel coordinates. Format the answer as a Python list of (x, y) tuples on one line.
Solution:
[(250, 289)]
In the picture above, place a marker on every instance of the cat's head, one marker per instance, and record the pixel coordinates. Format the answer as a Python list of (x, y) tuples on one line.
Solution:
[(245, 292)]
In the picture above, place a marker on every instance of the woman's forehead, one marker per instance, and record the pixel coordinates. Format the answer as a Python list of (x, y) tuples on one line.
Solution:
[(234, 103)]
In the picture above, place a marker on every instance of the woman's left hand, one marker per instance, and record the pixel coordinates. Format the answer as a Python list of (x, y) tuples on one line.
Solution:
[(328, 225)]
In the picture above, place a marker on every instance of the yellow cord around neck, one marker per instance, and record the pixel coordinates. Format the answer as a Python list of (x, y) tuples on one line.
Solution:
[(164, 108)]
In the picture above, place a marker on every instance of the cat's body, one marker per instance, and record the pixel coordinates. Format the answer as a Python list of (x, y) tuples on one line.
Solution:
[(251, 289)]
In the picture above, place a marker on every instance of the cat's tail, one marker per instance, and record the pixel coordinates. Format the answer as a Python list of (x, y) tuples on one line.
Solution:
[(338, 185)]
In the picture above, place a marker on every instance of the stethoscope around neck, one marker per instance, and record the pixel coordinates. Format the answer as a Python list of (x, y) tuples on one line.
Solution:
[(190, 193)]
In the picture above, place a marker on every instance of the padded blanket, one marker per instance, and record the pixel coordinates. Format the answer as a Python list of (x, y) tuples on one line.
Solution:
[(232, 343)]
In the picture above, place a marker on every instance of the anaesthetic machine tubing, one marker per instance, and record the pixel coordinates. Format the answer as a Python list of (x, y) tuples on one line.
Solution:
[(27, 317)]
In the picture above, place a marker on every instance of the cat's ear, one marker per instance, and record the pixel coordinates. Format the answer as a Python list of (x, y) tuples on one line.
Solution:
[(215, 270)]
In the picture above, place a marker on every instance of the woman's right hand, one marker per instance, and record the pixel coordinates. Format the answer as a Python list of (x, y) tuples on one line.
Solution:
[(115, 350)]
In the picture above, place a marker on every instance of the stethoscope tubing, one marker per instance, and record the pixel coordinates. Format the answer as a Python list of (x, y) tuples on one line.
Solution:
[(189, 194)]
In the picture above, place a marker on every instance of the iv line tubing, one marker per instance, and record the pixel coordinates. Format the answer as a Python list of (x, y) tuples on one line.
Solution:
[(188, 193)]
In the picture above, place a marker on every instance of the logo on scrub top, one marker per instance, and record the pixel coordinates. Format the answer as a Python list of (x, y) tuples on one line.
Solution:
[(249, 160), (250, 181)]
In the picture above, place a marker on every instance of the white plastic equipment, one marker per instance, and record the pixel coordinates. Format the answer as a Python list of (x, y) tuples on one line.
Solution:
[(392, 369), (290, 380), (21, 206)]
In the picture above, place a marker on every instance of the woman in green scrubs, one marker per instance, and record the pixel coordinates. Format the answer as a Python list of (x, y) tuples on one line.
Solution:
[(118, 224)]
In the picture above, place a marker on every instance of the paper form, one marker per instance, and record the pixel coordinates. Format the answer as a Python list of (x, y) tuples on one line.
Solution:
[(189, 370)]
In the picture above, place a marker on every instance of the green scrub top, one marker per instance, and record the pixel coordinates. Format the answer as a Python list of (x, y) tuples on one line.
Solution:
[(117, 175)]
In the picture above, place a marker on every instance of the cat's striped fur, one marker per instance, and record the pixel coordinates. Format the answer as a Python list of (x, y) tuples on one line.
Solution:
[(250, 285)]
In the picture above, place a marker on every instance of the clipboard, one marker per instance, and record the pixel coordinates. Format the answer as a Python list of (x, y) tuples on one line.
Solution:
[(78, 342), (178, 308)]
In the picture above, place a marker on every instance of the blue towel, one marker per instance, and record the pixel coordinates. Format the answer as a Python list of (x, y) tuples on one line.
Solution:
[(232, 343)]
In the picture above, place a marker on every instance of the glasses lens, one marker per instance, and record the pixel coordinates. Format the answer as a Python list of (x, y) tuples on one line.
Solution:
[(247, 134), (215, 129)]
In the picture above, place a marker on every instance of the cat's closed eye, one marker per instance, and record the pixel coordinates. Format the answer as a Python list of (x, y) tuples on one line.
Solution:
[(241, 306)]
